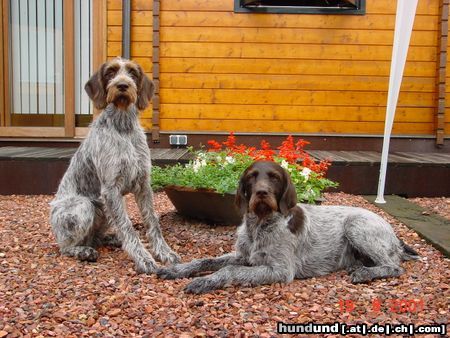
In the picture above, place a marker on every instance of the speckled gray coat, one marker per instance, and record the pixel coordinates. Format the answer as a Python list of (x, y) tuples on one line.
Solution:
[(307, 241)]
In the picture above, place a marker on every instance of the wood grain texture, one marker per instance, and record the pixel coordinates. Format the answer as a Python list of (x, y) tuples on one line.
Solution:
[(222, 71), (32, 131), (230, 19), (296, 82), (287, 51), (313, 127), (293, 113), (69, 89), (273, 35), (280, 66), (293, 97)]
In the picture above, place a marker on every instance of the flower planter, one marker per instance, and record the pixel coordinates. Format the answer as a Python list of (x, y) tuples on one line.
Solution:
[(205, 205)]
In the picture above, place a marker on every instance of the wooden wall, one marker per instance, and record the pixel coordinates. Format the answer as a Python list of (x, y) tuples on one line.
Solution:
[(328, 74), (141, 38)]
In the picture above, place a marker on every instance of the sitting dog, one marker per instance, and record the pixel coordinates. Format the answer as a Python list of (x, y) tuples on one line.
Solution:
[(280, 240), (113, 160)]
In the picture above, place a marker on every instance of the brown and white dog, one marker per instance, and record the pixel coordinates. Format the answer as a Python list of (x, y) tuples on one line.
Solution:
[(280, 240), (112, 161)]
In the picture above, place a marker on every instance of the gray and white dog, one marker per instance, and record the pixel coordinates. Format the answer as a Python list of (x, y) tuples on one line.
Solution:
[(280, 240), (112, 161)]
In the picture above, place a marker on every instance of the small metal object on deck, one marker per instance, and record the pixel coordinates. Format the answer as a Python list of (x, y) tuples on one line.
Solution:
[(178, 140)]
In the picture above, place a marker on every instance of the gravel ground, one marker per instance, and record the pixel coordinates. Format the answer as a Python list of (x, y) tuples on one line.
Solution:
[(438, 205), (45, 294)]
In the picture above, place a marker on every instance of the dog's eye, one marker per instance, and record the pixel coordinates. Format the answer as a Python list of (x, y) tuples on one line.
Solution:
[(133, 74), (252, 175), (274, 176), (110, 73)]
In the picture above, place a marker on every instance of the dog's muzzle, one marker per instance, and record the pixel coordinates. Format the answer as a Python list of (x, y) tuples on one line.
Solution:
[(263, 203)]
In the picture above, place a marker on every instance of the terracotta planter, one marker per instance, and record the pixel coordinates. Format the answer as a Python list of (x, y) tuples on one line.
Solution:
[(206, 205)]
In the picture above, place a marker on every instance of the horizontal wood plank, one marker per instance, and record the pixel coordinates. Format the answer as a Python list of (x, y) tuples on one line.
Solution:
[(138, 33), (268, 35), (303, 82), (35, 131), (138, 49), (315, 127), (293, 97), (136, 5), (284, 35), (291, 66), (294, 113), (138, 18), (287, 51), (231, 19)]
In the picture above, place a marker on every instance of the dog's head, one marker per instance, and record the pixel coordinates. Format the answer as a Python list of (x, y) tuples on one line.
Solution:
[(264, 188), (121, 82)]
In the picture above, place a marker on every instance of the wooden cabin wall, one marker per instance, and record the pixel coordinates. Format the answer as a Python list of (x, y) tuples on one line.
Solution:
[(328, 74), (141, 39)]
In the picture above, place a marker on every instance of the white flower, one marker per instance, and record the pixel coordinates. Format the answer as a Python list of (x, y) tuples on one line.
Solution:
[(219, 159), (284, 164), (230, 160), (305, 173), (198, 164)]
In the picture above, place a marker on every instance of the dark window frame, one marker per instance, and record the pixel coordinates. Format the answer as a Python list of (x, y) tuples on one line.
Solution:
[(361, 10)]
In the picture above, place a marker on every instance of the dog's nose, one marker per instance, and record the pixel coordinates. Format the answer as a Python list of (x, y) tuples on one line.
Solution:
[(122, 86), (261, 193)]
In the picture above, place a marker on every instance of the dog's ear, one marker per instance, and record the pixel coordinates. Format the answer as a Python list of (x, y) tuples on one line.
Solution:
[(95, 89), (241, 200), (289, 196), (145, 92)]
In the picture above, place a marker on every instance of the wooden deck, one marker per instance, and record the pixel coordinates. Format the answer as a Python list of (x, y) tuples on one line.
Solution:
[(159, 156), (38, 170)]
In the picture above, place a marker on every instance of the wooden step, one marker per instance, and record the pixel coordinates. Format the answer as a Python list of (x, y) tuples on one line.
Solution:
[(38, 170)]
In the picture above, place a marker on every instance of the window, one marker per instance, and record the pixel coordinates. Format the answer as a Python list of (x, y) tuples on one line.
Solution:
[(48, 49), (301, 6)]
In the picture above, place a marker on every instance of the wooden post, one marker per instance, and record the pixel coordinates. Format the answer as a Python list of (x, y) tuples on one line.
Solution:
[(2, 76), (99, 35), (441, 73), (5, 105), (69, 63), (155, 61)]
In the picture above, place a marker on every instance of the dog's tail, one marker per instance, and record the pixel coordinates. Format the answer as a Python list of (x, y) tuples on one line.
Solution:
[(408, 252)]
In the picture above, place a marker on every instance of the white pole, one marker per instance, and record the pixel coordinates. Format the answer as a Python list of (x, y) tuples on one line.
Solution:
[(406, 11)]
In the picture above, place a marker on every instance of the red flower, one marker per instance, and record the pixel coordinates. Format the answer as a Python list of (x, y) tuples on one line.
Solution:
[(215, 146), (230, 143), (290, 151)]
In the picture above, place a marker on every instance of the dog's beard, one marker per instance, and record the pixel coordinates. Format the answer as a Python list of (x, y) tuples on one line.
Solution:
[(262, 207), (121, 100)]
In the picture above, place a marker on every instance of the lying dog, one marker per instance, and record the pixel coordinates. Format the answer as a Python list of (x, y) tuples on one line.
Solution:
[(280, 240), (112, 161)]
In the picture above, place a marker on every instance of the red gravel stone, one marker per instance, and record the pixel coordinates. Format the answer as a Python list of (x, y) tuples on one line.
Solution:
[(45, 294)]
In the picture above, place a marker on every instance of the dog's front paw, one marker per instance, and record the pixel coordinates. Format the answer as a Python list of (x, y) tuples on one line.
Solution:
[(167, 273), (169, 257), (146, 266), (201, 285), (88, 254), (360, 275)]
